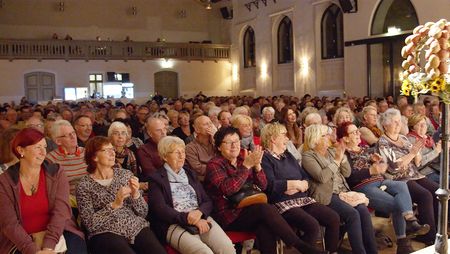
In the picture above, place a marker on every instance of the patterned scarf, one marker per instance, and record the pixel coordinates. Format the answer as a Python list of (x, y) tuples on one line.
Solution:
[(376, 131), (129, 160)]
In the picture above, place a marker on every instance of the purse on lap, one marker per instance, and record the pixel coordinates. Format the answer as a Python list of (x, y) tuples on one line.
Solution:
[(249, 194)]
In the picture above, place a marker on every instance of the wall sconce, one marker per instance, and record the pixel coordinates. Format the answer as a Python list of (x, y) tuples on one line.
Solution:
[(133, 10), (263, 71), (304, 66), (166, 63), (61, 6), (235, 72)]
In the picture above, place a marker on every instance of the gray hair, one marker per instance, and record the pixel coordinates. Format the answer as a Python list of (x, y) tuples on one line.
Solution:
[(214, 110), (55, 128), (311, 117), (313, 134), (116, 125), (169, 144), (268, 109), (387, 116)]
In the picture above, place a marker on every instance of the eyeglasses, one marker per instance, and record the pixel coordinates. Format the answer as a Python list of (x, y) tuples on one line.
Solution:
[(230, 143), (69, 135), (108, 150), (85, 125), (35, 125), (120, 133), (354, 132)]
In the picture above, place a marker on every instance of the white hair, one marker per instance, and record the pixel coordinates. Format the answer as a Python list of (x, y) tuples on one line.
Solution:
[(55, 128), (116, 125), (268, 109), (214, 110), (169, 144), (313, 134), (386, 117)]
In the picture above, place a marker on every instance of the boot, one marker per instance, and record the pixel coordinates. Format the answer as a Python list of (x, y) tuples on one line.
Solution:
[(307, 248), (413, 228), (404, 246)]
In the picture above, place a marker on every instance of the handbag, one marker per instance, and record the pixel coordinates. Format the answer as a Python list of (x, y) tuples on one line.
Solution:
[(249, 194), (354, 198), (193, 230), (38, 239)]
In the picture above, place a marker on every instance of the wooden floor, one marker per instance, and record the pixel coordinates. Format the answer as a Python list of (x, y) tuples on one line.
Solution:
[(379, 223)]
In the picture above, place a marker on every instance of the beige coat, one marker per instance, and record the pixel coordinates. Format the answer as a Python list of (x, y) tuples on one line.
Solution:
[(322, 176)]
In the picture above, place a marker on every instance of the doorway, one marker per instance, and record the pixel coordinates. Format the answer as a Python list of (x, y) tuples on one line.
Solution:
[(39, 86), (166, 84)]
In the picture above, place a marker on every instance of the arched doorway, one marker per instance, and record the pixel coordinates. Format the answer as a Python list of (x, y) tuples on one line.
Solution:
[(166, 83), (394, 19), (39, 86)]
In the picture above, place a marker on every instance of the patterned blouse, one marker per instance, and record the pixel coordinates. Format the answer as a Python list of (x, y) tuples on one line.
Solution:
[(392, 152), (360, 163), (97, 215)]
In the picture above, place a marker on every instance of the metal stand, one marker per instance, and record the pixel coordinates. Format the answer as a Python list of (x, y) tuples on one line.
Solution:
[(440, 244)]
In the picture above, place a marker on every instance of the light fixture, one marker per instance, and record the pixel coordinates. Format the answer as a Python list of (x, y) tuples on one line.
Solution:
[(264, 70), (208, 6), (392, 30), (304, 66), (134, 10), (235, 73), (166, 63)]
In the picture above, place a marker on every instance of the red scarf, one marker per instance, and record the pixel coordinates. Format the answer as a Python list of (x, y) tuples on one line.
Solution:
[(429, 142)]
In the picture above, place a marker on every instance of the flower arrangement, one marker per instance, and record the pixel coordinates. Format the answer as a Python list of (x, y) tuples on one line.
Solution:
[(426, 62)]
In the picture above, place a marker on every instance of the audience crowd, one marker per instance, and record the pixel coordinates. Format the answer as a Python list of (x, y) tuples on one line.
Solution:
[(104, 177)]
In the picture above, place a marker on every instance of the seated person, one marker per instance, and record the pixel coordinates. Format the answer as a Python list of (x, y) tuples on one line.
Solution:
[(226, 174), (177, 200), (111, 207), (35, 212)]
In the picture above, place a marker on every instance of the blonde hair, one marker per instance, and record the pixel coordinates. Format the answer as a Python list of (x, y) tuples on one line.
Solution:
[(169, 144), (343, 110), (414, 119), (237, 120), (270, 130), (313, 134)]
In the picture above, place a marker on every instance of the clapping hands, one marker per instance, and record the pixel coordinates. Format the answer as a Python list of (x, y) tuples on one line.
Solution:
[(253, 159)]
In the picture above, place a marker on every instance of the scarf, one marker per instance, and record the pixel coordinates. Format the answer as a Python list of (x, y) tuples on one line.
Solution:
[(129, 160), (376, 131), (173, 177), (247, 143), (429, 142)]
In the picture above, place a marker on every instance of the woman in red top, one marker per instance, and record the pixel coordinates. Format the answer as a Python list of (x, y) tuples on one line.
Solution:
[(34, 196)]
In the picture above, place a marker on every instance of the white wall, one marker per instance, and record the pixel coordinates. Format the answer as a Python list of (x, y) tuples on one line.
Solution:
[(87, 19), (210, 77)]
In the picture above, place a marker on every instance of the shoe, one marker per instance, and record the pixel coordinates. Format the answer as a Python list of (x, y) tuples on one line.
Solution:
[(404, 246), (413, 228), (306, 248)]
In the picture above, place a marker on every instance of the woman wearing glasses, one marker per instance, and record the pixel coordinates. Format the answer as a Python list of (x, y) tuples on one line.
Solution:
[(179, 207), (385, 195), (328, 168), (111, 207), (226, 174)]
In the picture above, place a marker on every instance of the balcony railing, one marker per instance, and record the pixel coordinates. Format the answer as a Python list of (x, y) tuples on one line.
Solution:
[(111, 50)]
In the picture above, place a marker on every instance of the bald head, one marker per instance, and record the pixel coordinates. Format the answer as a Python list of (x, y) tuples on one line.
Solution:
[(203, 125), (156, 129)]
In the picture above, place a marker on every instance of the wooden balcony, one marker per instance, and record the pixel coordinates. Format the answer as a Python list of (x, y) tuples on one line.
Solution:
[(111, 50)]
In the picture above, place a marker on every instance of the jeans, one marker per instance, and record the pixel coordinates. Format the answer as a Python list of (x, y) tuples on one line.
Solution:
[(358, 225), (395, 199)]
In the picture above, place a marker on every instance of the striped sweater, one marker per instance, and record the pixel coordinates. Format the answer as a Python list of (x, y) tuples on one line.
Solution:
[(73, 165)]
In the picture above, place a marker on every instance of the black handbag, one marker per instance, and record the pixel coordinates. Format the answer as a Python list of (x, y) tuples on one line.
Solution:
[(193, 230), (249, 194)]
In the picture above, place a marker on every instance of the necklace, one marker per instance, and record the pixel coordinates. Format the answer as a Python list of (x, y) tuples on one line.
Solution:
[(395, 140), (33, 187)]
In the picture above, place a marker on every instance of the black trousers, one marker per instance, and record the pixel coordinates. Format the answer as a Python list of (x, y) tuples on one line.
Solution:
[(309, 219), (144, 243), (422, 193), (268, 225)]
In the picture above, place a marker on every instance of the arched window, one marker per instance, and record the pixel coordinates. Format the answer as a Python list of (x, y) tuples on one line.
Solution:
[(285, 44), (249, 48), (394, 13), (332, 33)]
